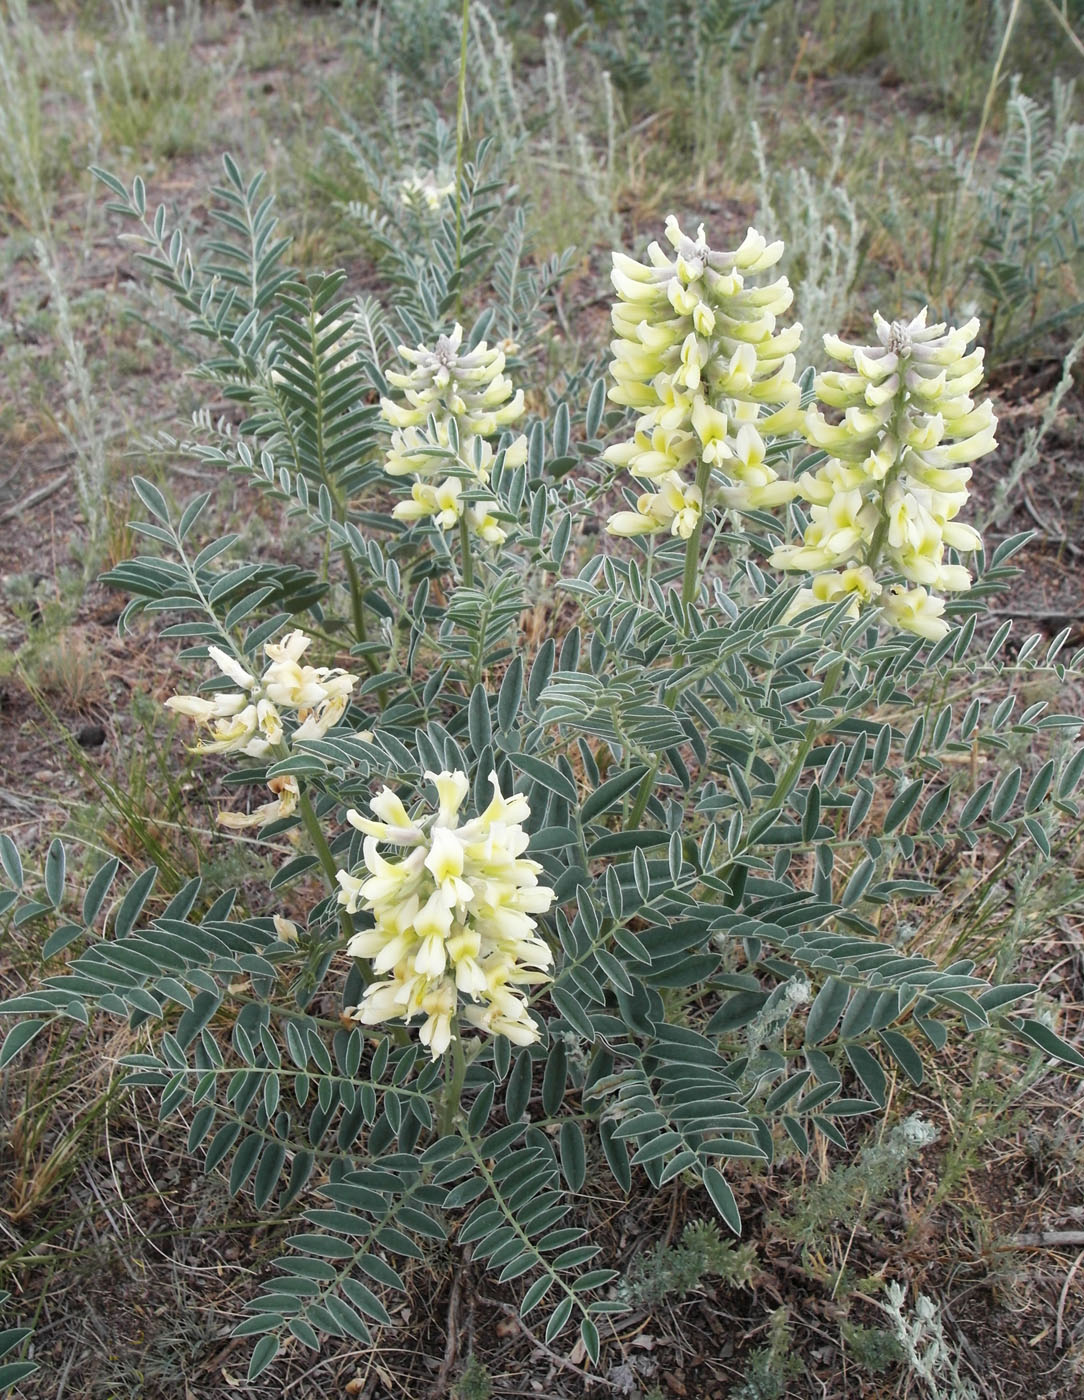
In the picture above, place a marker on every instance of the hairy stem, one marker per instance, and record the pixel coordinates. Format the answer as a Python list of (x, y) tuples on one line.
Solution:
[(455, 1072), (690, 579), (464, 546), (323, 850), (460, 133)]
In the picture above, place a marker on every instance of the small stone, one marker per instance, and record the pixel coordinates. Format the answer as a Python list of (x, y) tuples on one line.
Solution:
[(90, 736)]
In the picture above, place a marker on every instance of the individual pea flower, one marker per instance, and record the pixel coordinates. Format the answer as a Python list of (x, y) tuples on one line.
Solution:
[(444, 506), (285, 929), (895, 474), (453, 916), (698, 355), (441, 504), (287, 796), (857, 584), (676, 505), (485, 524), (426, 189), (915, 610), (249, 721)]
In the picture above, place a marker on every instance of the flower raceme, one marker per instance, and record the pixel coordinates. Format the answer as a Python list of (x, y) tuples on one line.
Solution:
[(249, 719), (698, 355), (451, 916), (455, 400), (895, 475)]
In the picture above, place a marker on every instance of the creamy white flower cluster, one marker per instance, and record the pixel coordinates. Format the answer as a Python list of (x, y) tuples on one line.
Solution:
[(249, 719), (895, 476), (698, 354), (446, 387), (452, 916)]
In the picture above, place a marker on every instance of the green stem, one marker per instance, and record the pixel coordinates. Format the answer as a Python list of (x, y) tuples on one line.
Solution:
[(690, 579), (460, 132), (793, 772), (323, 850), (455, 1072), (361, 630), (357, 603), (464, 545)]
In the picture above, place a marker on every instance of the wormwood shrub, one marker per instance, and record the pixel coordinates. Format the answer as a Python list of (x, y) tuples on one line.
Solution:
[(619, 895)]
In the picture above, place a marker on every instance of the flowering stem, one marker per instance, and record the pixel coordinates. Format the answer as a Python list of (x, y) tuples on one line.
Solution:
[(455, 1072), (323, 851), (460, 131), (464, 545), (793, 773), (690, 581)]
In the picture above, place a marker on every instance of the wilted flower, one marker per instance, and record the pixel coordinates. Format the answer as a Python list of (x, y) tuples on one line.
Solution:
[(698, 355), (452, 916), (287, 795), (250, 720), (895, 475)]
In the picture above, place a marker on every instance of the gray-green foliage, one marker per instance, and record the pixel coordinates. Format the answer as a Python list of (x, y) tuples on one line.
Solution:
[(1031, 240), (671, 1271), (772, 1365), (843, 1195), (926, 1351), (1026, 264), (724, 804)]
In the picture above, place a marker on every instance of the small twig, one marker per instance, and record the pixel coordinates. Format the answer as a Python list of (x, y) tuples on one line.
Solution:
[(1062, 1299), (1049, 533), (557, 1360), (1067, 27), (35, 497), (1048, 1239), (450, 1346)]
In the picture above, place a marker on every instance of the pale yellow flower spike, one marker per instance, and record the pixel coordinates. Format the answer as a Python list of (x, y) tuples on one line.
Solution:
[(454, 916), (896, 475), (698, 355), (447, 385)]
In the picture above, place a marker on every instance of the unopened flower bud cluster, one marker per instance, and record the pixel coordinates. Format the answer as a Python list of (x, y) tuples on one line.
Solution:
[(452, 916), (248, 720), (895, 477), (455, 400), (697, 354)]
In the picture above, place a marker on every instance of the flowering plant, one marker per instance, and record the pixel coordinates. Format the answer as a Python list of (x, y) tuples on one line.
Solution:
[(635, 814)]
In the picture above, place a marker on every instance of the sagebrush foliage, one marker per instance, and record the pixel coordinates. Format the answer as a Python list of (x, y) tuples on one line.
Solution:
[(723, 803)]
